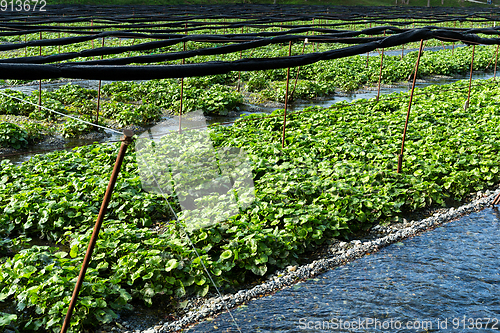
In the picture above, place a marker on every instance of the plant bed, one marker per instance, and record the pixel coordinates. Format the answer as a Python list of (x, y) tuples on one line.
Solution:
[(335, 177)]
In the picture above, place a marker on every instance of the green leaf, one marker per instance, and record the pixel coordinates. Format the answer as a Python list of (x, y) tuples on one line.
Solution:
[(7, 318), (171, 264), (203, 291), (226, 255), (259, 270), (74, 251)]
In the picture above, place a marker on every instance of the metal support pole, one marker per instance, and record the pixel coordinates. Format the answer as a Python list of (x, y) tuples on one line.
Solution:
[(496, 200), (286, 96), (92, 24), (496, 62), (133, 41), (25, 48), (400, 157), (182, 96), (470, 77), (99, 94), (40, 81), (368, 53), (298, 71), (126, 140), (380, 75), (180, 108), (239, 72)]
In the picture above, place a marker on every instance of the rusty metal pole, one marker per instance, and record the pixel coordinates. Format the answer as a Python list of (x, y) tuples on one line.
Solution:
[(380, 74), (453, 44), (25, 48), (470, 77), (182, 96), (368, 53), (400, 157), (239, 72), (40, 82), (99, 94), (92, 24), (133, 41), (496, 62), (298, 71), (126, 140), (286, 96), (496, 200), (180, 108)]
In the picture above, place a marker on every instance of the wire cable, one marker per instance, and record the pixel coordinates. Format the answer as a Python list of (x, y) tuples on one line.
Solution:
[(194, 248), (60, 113)]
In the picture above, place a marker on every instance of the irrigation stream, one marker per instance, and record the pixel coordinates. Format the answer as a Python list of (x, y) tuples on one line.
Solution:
[(448, 277)]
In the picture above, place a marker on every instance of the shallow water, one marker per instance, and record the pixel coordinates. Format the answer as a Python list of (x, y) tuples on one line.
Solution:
[(406, 51), (445, 280)]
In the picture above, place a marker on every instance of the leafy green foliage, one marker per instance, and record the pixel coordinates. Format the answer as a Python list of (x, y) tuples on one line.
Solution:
[(72, 93), (335, 176), (128, 114), (165, 94), (305, 89), (40, 282), (74, 128), (12, 135), (35, 131), (71, 194), (14, 106)]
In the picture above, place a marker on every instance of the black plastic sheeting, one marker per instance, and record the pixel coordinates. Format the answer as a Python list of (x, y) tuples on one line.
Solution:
[(399, 39), (112, 72), (178, 19), (259, 14), (158, 22)]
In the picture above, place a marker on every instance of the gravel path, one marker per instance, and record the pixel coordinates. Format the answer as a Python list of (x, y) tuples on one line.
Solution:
[(335, 254)]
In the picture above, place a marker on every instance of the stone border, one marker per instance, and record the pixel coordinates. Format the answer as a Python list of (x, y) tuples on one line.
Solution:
[(337, 255)]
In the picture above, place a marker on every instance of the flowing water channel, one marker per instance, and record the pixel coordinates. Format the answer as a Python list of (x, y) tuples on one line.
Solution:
[(446, 280)]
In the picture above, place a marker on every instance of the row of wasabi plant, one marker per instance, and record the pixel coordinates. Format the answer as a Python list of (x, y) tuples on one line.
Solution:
[(336, 176)]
